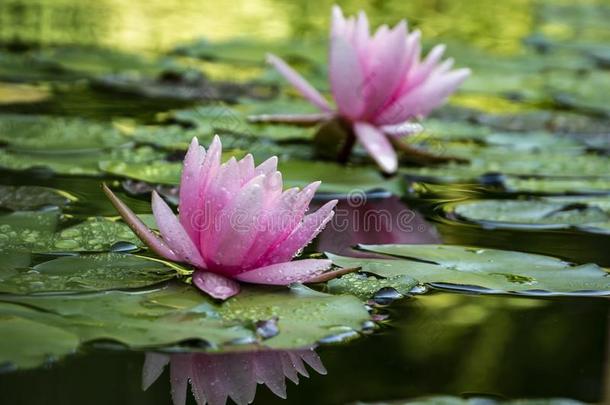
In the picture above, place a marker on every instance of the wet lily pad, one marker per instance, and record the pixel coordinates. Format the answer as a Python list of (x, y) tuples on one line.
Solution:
[(93, 235), (27, 230), (304, 316), (590, 213), (97, 272), (169, 315), (178, 313), (30, 197), (27, 343), (365, 287), (482, 270), (37, 231)]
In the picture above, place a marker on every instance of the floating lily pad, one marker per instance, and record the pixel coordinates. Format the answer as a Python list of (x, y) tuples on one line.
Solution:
[(30, 197), (304, 316), (97, 272), (552, 185), (27, 343), (96, 61), (365, 287), (234, 120), (93, 235), (48, 135), (169, 315), (178, 313), (37, 231), (11, 93), (160, 172), (552, 212), (336, 178), (483, 270), (448, 400), (27, 230)]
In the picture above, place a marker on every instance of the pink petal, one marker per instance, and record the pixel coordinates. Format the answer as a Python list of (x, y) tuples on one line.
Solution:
[(347, 79), (154, 363), (147, 236), (302, 85), (423, 99), (377, 145), (268, 370), (215, 285), (189, 188), (338, 21), (246, 168), (180, 372), (313, 360), (417, 76), (298, 271), (386, 68), (268, 166), (284, 218), (302, 235), (174, 234), (403, 129), (361, 34), (239, 226)]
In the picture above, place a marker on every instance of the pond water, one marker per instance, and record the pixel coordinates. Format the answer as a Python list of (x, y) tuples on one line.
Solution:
[(113, 92)]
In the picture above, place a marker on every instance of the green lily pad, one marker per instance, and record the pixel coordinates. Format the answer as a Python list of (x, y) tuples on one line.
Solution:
[(27, 343), (304, 316), (93, 235), (365, 287), (97, 272), (482, 270), (336, 178), (11, 93), (96, 61), (160, 172), (234, 120), (30, 197), (27, 230), (557, 185), (37, 231), (448, 400), (179, 313), (48, 135), (164, 316), (550, 212)]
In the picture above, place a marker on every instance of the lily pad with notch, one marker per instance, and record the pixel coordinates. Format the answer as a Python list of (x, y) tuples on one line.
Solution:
[(481, 270)]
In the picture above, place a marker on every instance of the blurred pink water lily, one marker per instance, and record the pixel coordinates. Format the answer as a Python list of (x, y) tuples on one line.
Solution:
[(379, 83), (236, 223)]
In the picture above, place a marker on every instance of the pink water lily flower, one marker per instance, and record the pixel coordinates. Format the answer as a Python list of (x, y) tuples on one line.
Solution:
[(379, 82), (235, 223)]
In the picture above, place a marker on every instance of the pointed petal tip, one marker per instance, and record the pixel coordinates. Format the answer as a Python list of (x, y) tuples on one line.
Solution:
[(215, 285)]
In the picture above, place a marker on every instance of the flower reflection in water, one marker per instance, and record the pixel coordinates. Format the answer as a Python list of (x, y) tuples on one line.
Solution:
[(366, 219), (216, 377)]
